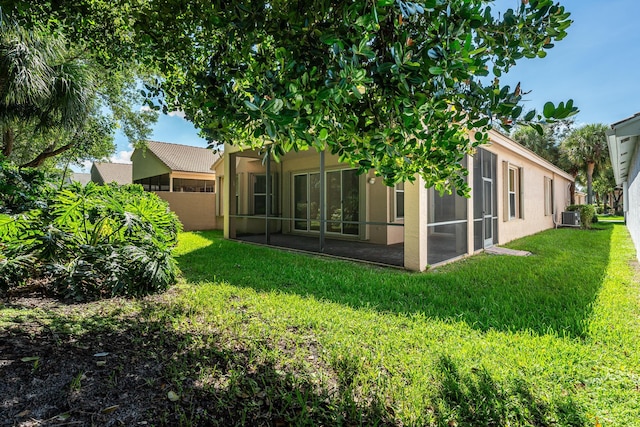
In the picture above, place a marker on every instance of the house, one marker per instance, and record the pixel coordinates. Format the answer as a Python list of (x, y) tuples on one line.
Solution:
[(311, 201), (183, 176), (622, 139), (105, 173), (580, 198), (82, 178)]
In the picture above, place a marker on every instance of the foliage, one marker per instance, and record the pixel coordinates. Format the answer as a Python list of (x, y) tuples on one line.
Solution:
[(91, 242), (21, 188), (55, 100), (547, 143), (587, 214), (587, 148), (401, 87)]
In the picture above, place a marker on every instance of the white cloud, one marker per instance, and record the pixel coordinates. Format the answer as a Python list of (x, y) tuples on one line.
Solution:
[(145, 108), (122, 157), (180, 114)]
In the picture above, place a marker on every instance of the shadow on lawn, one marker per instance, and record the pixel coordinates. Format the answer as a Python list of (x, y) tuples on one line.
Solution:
[(112, 370), (477, 399), (119, 371), (549, 292)]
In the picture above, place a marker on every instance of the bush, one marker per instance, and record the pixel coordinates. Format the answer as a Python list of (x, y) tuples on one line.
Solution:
[(91, 242), (21, 189), (587, 214)]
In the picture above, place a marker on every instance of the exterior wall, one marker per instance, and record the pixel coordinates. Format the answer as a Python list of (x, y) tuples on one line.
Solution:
[(632, 200), (192, 175), (95, 175), (534, 171), (376, 199), (146, 164), (195, 210)]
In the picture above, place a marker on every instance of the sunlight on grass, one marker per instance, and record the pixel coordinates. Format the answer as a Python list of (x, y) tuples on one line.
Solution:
[(543, 344)]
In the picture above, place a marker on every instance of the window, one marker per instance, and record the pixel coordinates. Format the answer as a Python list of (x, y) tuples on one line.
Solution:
[(399, 201), (513, 193), (182, 185), (154, 183), (260, 194), (548, 196)]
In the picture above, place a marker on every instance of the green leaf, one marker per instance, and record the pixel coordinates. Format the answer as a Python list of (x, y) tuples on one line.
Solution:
[(516, 112), (251, 106), (323, 135), (548, 110), (436, 70), (270, 129), (530, 115)]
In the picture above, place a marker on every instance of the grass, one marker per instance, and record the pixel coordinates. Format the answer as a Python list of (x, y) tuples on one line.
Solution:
[(267, 337), (613, 218)]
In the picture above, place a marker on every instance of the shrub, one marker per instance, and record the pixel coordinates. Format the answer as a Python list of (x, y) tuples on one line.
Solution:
[(91, 242), (21, 189)]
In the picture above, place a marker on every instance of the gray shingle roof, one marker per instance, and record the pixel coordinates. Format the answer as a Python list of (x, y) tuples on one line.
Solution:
[(184, 158), (82, 178), (121, 173)]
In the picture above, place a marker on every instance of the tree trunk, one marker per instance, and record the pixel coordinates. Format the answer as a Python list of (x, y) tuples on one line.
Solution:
[(8, 139), (572, 190), (590, 167)]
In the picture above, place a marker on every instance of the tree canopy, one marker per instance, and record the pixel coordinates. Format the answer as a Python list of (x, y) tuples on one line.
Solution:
[(587, 148), (56, 100), (402, 87), (546, 144)]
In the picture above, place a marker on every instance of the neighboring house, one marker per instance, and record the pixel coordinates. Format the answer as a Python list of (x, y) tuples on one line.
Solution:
[(105, 173), (181, 175), (580, 198), (625, 158), (82, 178), (310, 195)]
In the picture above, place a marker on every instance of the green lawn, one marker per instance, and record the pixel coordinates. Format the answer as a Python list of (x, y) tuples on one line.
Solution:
[(614, 218), (268, 337)]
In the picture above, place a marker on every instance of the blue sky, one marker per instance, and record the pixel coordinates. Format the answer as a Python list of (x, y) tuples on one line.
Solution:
[(597, 65)]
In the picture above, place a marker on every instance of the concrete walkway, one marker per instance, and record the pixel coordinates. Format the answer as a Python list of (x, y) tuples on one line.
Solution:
[(496, 250)]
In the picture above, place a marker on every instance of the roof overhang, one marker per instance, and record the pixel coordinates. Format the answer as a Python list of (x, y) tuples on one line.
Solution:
[(623, 139)]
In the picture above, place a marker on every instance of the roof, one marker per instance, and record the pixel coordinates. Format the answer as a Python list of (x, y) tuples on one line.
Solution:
[(506, 141), (622, 139), (185, 158), (82, 178), (120, 173)]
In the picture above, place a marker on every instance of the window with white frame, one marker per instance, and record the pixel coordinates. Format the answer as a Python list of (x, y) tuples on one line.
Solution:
[(399, 201), (548, 196), (514, 193), (260, 194)]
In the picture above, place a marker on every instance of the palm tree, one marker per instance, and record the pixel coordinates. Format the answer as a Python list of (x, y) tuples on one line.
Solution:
[(587, 148), (40, 83)]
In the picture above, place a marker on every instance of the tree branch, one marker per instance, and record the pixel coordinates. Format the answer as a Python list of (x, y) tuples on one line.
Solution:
[(39, 160)]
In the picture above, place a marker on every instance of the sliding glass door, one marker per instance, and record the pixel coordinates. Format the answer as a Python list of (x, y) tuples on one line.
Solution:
[(342, 202)]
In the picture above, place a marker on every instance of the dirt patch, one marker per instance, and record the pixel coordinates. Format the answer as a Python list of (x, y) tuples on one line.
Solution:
[(92, 365)]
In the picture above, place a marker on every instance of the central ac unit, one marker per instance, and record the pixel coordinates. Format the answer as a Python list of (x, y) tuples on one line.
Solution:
[(571, 218)]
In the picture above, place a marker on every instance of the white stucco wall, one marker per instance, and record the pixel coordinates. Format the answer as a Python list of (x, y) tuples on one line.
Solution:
[(632, 200)]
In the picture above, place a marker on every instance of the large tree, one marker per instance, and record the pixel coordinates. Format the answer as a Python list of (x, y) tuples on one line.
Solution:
[(403, 87), (587, 147), (55, 99), (546, 144)]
